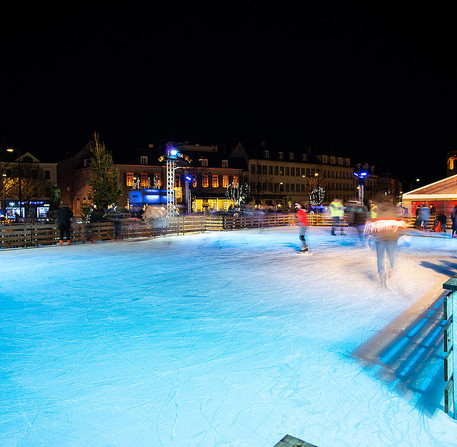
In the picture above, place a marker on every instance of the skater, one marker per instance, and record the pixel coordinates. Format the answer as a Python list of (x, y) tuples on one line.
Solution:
[(359, 219), (94, 218), (386, 228), (64, 215), (424, 216), (302, 219), (454, 222), (337, 214)]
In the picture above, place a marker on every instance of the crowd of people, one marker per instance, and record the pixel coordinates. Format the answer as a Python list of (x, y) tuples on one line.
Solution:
[(383, 223)]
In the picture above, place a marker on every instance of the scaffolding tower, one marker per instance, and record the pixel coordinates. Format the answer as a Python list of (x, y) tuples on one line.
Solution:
[(171, 199)]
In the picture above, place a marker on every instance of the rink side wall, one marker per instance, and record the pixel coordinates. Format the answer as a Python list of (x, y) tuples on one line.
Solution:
[(25, 235)]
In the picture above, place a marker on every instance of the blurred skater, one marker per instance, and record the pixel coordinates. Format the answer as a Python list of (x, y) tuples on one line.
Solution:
[(424, 216), (358, 218), (337, 214), (386, 228), (302, 220), (454, 222)]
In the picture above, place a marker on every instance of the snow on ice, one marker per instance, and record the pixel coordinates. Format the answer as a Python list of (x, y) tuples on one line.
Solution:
[(224, 339)]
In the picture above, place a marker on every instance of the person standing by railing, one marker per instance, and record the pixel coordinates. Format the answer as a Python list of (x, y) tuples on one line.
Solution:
[(64, 215)]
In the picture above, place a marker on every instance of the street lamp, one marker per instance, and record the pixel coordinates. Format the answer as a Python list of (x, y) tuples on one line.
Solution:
[(361, 173), (188, 179), (10, 149)]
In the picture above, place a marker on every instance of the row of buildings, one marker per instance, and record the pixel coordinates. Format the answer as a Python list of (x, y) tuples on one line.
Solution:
[(278, 178)]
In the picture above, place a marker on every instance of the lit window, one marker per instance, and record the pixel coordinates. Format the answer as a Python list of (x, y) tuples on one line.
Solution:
[(225, 181), (266, 153), (129, 179), (144, 180), (225, 163), (280, 155), (215, 181), (204, 161), (158, 180), (143, 159), (205, 182), (291, 155), (236, 180)]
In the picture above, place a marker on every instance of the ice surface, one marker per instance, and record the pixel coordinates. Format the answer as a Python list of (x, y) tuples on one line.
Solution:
[(223, 339)]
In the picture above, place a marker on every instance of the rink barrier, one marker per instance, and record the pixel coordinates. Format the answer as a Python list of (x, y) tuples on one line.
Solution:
[(449, 365), (22, 235), (290, 441)]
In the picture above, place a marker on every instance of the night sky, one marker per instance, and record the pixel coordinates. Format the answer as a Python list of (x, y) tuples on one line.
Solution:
[(373, 82)]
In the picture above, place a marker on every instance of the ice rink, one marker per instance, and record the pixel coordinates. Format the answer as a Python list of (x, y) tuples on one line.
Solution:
[(224, 339)]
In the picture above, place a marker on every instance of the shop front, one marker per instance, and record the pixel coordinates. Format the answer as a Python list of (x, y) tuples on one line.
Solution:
[(441, 194), (36, 209)]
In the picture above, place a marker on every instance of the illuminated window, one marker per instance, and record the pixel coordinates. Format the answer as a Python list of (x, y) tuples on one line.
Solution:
[(143, 159), (280, 155), (204, 161), (225, 163), (129, 179), (205, 182), (215, 181), (266, 153), (158, 180), (144, 180), (236, 180), (225, 181), (291, 156)]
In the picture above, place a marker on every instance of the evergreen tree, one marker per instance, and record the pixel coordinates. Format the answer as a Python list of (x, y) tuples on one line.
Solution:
[(104, 189)]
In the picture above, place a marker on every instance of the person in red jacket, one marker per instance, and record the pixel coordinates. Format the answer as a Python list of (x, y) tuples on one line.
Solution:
[(302, 220)]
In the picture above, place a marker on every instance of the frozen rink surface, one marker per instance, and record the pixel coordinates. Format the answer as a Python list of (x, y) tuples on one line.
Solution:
[(223, 339)]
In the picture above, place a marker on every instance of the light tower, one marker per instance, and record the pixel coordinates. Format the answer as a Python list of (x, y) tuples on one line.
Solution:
[(174, 159)]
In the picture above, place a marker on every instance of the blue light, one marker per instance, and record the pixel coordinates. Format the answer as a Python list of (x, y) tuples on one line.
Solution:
[(188, 178), (173, 152), (363, 174)]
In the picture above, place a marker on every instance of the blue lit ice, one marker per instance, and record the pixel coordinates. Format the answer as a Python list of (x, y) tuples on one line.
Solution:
[(223, 339)]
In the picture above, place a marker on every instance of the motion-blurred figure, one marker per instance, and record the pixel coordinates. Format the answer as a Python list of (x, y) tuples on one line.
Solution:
[(337, 214), (454, 222), (386, 228), (424, 216), (357, 217)]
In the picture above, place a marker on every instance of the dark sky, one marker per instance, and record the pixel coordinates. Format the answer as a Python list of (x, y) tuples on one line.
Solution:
[(374, 82)]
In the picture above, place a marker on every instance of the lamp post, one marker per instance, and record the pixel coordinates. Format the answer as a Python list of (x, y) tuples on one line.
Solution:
[(361, 173), (19, 177), (188, 179)]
